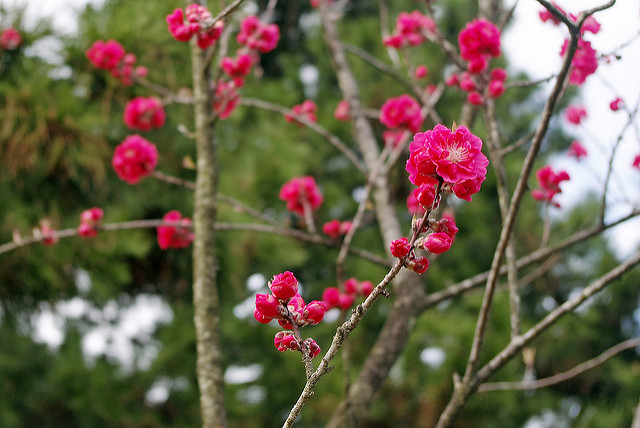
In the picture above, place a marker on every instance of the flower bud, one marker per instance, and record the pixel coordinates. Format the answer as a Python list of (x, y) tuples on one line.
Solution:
[(437, 243), (284, 341), (314, 312), (284, 285), (400, 247), (260, 317), (314, 349), (331, 296), (268, 305), (351, 286)]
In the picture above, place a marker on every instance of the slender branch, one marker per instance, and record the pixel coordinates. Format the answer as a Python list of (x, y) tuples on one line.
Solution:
[(379, 65), (564, 376), (337, 143), (636, 417)]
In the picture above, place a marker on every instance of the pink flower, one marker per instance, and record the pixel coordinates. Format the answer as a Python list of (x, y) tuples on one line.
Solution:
[(307, 110), (616, 104), (479, 39), (238, 67), (105, 55), (411, 30), (261, 318), (10, 39), (90, 221), (285, 341), (334, 228), (413, 206), (436, 243), (346, 300), (225, 99), (584, 62), (401, 113), (331, 296), (175, 236), (575, 114), (259, 36), (314, 349), (425, 195), (269, 306), (452, 80), (421, 71), (351, 286), (198, 22), (466, 82), (636, 162), (342, 111), (144, 113), (447, 225), (314, 312), (496, 88), (284, 286), (549, 183), (577, 150), (134, 159), (474, 98), (400, 247), (467, 188), (301, 191), (366, 287), (499, 74), (454, 156)]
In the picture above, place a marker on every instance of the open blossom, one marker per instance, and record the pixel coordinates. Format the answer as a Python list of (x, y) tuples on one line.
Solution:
[(134, 159), (144, 113), (478, 41), (175, 236), (10, 39), (237, 67), (452, 156), (584, 62), (549, 184), (111, 56), (307, 110), (301, 191), (411, 30), (198, 22), (401, 113), (259, 36), (575, 114), (577, 150), (90, 220)]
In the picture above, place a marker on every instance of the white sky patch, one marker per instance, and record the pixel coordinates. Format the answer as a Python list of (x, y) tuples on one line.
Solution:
[(236, 375), (433, 357)]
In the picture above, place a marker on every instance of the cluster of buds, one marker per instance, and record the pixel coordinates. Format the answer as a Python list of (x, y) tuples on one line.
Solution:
[(412, 29), (178, 233), (333, 297), (90, 221), (287, 306), (433, 236), (111, 56), (196, 21)]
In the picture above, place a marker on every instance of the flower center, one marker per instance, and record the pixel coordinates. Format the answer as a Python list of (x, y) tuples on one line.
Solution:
[(457, 153)]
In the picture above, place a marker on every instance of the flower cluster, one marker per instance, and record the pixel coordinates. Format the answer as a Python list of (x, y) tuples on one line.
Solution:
[(10, 39), (577, 150), (335, 228), (287, 306), (334, 298), (144, 113), (584, 62), (307, 110), (257, 35), (434, 237), (177, 234), (412, 29), (90, 221), (574, 114), (111, 56), (479, 41), (195, 20), (134, 159), (238, 67), (300, 192), (549, 183), (452, 157), (400, 114)]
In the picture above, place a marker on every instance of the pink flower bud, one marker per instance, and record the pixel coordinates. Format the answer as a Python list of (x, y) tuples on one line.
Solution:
[(346, 300), (332, 229), (331, 296), (616, 104), (284, 341), (351, 286), (499, 74), (496, 88), (474, 98), (400, 247), (345, 227), (314, 349), (425, 195), (268, 305), (420, 265), (314, 312), (421, 71), (342, 111), (260, 317), (366, 287), (437, 243), (284, 285)]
